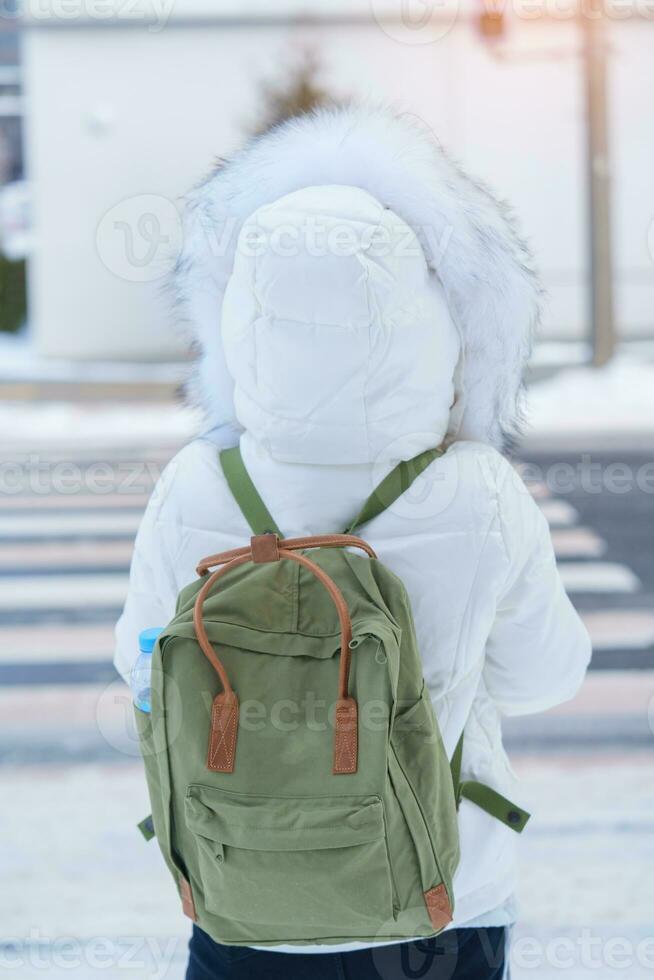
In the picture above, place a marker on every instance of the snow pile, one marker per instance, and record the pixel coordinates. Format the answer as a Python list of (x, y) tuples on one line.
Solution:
[(19, 361), (93, 424), (615, 398)]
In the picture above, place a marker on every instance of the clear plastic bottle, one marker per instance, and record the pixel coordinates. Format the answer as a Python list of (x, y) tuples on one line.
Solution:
[(142, 669)]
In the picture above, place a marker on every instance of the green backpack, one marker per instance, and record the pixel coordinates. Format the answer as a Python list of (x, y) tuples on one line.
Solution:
[(300, 790)]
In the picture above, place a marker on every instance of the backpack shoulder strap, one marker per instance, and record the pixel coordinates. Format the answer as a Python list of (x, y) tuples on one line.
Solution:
[(393, 486), (260, 519), (246, 494), (484, 797)]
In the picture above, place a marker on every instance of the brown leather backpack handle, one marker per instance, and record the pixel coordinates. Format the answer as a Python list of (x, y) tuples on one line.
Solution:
[(290, 544), (224, 716)]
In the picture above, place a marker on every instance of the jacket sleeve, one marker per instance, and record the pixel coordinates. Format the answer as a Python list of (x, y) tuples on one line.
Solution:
[(538, 649), (152, 592)]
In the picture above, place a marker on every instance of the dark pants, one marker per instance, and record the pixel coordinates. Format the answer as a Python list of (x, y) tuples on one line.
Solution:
[(458, 954)]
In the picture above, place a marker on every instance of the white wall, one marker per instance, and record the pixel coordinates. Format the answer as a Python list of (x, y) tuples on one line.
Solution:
[(117, 113)]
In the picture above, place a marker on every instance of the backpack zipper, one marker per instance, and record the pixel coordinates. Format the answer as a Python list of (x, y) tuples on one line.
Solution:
[(395, 901)]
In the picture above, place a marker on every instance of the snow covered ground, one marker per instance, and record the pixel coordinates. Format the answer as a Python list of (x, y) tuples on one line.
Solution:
[(19, 362), (85, 896), (580, 402), (617, 398), (108, 908), (95, 424), (578, 399)]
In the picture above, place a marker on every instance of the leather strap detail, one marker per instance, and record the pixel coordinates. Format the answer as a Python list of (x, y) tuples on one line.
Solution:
[(439, 908), (224, 714), (188, 905), (265, 548), (345, 737), (343, 615), (224, 729), (329, 541), (289, 544), (198, 623)]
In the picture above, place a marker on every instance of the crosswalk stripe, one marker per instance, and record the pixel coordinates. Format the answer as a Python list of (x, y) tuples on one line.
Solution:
[(604, 695), (577, 542), (54, 643), (59, 674), (134, 500), (64, 560), (620, 629), (64, 525), (598, 577), (55, 556), (39, 592), (559, 513), (86, 456)]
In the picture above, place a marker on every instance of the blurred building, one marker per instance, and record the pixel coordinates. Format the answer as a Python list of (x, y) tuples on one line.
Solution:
[(122, 115), (11, 108)]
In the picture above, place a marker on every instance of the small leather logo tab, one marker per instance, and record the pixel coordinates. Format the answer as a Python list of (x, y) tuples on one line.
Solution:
[(224, 729), (265, 547), (438, 907), (188, 905), (345, 736)]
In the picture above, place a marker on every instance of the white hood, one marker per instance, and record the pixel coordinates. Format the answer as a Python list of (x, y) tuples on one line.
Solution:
[(336, 333), (354, 295)]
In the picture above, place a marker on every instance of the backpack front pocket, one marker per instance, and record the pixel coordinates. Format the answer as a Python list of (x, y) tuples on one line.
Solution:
[(306, 868)]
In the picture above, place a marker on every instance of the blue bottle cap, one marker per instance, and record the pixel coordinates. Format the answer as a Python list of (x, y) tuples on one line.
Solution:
[(148, 638)]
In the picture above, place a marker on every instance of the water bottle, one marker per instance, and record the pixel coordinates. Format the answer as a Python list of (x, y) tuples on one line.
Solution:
[(142, 670)]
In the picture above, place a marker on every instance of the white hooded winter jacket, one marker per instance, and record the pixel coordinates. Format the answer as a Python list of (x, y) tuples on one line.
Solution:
[(356, 299)]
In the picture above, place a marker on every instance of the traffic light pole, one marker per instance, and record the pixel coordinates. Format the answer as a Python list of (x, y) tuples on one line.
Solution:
[(599, 198), (595, 70)]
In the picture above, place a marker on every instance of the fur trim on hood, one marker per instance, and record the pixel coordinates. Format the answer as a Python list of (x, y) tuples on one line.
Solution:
[(466, 234)]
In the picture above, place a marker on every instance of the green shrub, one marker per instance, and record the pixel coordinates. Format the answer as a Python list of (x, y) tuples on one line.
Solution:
[(13, 294), (299, 92)]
